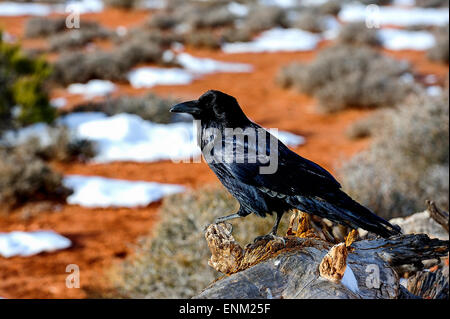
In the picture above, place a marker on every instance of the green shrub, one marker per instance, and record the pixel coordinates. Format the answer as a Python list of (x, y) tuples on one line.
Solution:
[(408, 161), (22, 82), (172, 261), (345, 76)]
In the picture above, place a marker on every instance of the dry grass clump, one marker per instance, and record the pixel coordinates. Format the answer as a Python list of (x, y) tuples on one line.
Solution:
[(26, 178), (172, 262), (203, 39), (150, 107), (78, 37), (261, 18), (78, 67), (349, 77), (62, 147), (367, 126), (358, 33), (152, 36), (311, 20), (57, 144), (407, 163), (162, 21), (211, 16), (82, 67), (44, 26), (440, 52), (330, 7), (234, 34), (122, 4)]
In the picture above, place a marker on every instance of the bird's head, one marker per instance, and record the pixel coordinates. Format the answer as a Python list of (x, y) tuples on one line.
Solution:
[(214, 106)]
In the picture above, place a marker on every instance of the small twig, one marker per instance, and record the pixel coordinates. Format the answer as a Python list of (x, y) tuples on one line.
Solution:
[(440, 216)]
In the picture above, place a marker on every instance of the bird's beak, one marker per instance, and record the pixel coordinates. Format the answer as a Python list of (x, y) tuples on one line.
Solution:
[(190, 107)]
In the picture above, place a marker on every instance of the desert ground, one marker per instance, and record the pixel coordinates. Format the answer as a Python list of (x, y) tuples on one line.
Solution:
[(102, 237)]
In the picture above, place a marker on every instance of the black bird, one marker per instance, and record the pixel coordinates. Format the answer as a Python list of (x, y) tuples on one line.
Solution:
[(296, 183)]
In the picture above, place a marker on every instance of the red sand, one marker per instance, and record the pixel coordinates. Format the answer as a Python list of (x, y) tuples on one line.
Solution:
[(104, 236)]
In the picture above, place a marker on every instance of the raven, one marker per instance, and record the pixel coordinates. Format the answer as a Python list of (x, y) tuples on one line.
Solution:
[(239, 152)]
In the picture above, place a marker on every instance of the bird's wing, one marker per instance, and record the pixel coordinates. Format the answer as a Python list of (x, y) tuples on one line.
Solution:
[(294, 175)]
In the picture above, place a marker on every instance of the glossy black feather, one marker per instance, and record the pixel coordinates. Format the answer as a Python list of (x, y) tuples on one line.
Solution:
[(297, 182)]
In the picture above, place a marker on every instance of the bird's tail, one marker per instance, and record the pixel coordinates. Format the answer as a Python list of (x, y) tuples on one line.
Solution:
[(341, 208), (364, 218)]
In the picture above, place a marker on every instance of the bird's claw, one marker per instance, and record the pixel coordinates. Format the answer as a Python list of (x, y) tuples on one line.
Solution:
[(270, 237)]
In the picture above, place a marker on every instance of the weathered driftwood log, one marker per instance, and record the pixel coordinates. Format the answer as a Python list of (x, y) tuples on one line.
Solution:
[(306, 266), (430, 284)]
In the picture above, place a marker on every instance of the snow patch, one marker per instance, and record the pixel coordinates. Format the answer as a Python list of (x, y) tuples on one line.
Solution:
[(276, 40), (434, 90), (406, 3), (280, 3), (146, 77), (9, 8), (39, 131), (154, 4), (205, 65), (127, 137), (239, 10), (94, 191), (20, 9), (394, 39), (398, 16), (92, 89), (84, 6), (349, 279), (193, 67), (18, 243), (58, 102)]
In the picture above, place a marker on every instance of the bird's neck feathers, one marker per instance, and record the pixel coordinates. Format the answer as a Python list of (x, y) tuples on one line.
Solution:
[(232, 120)]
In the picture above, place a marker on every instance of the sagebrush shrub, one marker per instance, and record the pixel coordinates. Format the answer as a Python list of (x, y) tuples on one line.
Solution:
[(440, 51), (26, 178), (358, 33), (172, 262), (150, 107), (407, 162), (349, 77)]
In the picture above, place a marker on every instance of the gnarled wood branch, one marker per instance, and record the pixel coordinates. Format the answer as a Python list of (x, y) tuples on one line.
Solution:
[(311, 267)]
